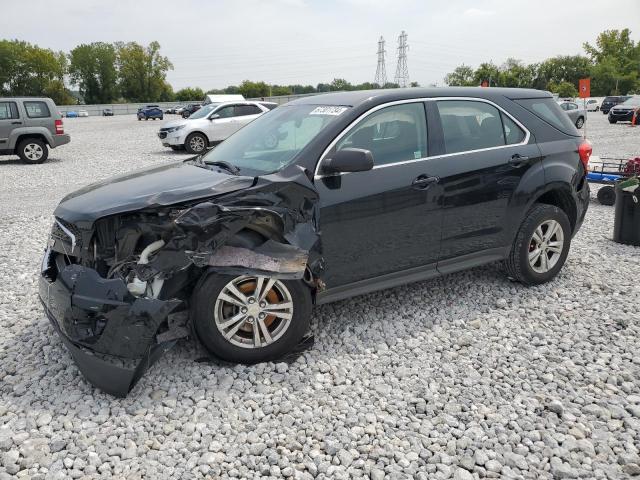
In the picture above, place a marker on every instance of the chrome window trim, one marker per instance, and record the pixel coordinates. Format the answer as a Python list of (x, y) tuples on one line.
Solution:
[(344, 132)]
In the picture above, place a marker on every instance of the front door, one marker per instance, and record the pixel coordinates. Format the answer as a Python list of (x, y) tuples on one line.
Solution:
[(387, 219), (223, 123)]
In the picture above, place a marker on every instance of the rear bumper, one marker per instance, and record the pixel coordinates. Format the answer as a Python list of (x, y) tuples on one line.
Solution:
[(582, 204), (110, 334), (58, 140)]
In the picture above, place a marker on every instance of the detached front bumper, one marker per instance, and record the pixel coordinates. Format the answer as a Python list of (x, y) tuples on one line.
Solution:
[(110, 334)]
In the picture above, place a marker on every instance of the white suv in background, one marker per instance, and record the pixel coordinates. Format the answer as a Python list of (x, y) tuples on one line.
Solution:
[(210, 125)]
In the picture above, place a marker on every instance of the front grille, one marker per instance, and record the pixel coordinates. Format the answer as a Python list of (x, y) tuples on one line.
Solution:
[(59, 233)]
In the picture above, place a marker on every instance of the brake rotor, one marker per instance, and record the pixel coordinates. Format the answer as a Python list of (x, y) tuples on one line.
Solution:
[(248, 288)]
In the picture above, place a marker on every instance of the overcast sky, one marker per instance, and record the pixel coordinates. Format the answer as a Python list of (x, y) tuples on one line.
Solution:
[(215, 43)]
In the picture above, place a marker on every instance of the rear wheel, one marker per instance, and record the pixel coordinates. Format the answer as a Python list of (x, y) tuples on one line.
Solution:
[(250, 318), (33, 150), (196, 143), (579, 122), (541, 245), (607, 195)]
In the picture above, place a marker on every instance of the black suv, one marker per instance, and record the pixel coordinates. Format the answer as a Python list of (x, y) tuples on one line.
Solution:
[(318, 200), (189, 109), (612, 101)]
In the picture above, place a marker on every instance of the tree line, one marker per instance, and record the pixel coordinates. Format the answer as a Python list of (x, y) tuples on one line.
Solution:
[(124, 72), (612, 64), (102, 72)]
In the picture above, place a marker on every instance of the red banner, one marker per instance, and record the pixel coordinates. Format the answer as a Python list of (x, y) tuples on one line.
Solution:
[(585, 87)]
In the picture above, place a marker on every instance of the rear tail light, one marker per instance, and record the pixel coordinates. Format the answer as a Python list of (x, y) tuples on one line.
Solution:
[(584, 150), (59, 127)]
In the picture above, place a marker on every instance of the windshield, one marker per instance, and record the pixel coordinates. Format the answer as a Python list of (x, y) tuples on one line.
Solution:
[(632, 102), (270, 142), (204, 111)]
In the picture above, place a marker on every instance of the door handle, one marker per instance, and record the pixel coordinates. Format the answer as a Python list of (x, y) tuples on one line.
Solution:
[(518, 160), (16, 123), (424, 181)]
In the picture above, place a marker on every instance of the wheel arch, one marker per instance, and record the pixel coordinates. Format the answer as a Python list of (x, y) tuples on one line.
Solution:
[(562, 198), (20, 137)]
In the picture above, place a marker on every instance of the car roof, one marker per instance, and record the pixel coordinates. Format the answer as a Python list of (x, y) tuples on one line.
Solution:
[(356, 98)]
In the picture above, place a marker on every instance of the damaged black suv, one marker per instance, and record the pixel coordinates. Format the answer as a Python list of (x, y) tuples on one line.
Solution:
[(321, 199)]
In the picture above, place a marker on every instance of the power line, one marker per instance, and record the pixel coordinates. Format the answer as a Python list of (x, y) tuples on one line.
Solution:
[(402, 71), (381, 69)]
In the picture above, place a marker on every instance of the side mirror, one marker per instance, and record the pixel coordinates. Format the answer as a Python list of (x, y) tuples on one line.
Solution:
[(349, 160), (214, 116)]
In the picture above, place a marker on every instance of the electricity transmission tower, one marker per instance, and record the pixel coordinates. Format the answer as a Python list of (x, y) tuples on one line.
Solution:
[(381, 69), (402, 71)]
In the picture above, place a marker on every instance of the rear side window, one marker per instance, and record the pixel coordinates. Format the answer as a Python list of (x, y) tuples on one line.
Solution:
[(242, 110), (270, 106), (392, 134), (469, 125), (548, 110), (37, 109), (8, 110)]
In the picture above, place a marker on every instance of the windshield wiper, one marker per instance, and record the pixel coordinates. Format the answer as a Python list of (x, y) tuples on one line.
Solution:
[(226, 165)]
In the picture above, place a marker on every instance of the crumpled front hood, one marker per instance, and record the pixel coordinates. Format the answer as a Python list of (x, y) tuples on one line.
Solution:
[(152, 187)]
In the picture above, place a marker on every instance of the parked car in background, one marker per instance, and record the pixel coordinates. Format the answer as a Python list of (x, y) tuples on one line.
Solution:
[(83, 113), (612, 101), (107, 112), (72, 114), (189, 110), (153, 112), (29, 126), (624, 111), (210, 125), (322, 199), (576, 113), (171, 110), (593, 104)]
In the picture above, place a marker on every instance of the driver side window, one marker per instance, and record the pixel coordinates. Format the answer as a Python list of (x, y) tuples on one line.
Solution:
[(392, 134), (225, 112)]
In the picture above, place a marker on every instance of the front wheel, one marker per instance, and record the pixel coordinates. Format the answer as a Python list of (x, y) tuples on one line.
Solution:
[(541, 245), (597, 109), (250, 318), (33, 150), (196, 143), (612, 120)]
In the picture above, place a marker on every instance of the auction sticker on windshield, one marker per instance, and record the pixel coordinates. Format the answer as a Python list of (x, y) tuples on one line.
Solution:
[(328, 110)]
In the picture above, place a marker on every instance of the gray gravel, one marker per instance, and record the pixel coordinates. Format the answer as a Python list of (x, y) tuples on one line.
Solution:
[(468, 376)]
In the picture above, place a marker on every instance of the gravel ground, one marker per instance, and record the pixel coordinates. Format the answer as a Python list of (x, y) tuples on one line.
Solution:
[(468, 376)]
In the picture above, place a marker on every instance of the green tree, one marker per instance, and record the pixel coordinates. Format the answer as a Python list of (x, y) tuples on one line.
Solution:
[(515, 74), (563, 68), (617, 63), (251, 89), (277, 90), (186, 94), (340, 84), (487, 72), (142, 72), (564, 89), (462, 76), (93, 69)]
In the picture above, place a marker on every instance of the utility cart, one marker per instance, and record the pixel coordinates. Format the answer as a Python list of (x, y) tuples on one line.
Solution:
[(609, 171)]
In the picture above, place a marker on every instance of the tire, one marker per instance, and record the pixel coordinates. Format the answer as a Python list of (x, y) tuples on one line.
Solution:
[(579, 123), (607, 195), (146, 118), (242, 347), (518, 263), (33, 151), (597, 109), (162, 118), (613, 120), (139, 119), (196, 143)]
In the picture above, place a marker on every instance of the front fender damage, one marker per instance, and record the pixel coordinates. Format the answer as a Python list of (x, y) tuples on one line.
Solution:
[(103, 323)]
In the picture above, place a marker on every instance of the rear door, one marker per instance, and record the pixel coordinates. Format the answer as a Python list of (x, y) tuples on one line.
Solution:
[(9, 120), (484, 156)]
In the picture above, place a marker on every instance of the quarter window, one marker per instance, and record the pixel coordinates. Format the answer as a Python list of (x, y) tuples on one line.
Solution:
[(512, 132), (469, 125), (8, 110), (37, 109), (392, 134)]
